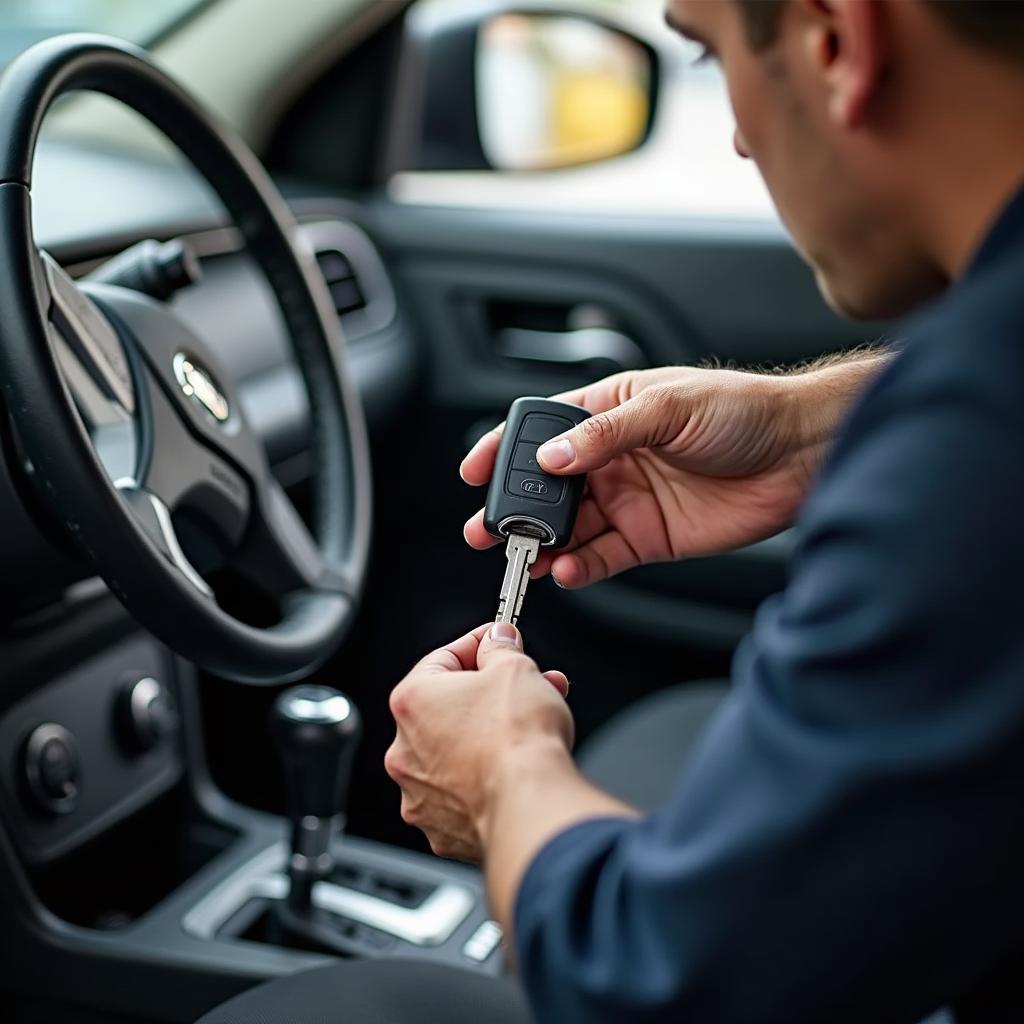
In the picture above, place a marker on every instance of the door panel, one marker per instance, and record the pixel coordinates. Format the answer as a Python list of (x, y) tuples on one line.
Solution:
[(725, 289), (456, 300)]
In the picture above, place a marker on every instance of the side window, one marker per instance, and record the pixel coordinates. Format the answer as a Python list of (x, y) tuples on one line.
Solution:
[(687, 166)]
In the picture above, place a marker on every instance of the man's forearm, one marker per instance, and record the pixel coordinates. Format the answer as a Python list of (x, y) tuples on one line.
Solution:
[(537, 793), (820, 395), (837, 381)]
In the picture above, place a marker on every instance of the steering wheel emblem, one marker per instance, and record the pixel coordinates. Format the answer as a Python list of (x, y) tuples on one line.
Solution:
[(196, 383)]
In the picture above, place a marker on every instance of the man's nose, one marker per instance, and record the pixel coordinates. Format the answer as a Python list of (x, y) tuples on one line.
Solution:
[(740, 143)]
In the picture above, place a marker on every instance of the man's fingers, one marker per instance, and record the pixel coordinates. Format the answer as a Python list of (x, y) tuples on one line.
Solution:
[(473, 650), (642, 422), (458, 656), (590, 523), (604, 556), (478, 465), (444, 659), (501, 639), (559, 680), (602, 397), (476, 535)]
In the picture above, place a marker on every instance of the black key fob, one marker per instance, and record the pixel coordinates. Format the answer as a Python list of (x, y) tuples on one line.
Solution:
[(522, 497)]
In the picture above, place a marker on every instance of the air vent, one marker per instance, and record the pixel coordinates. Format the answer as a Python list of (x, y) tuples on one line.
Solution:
[(342, 283), (355, 276)]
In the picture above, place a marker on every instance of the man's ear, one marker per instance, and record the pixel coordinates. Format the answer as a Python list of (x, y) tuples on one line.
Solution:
[(844, 42)]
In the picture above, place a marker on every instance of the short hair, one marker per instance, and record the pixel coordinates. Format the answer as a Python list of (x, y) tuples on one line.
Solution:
[(996, 25)]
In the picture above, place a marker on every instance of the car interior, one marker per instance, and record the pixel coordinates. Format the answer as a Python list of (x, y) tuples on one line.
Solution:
[(265, 278)]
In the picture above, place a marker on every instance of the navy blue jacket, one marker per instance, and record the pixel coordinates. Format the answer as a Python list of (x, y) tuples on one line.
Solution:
[(847, 843)]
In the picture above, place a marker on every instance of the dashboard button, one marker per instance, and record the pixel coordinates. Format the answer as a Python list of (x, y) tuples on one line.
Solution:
[(52, 769), (147, 714)]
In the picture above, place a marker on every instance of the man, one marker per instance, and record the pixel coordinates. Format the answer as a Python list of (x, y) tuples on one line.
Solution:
[(847, 843)]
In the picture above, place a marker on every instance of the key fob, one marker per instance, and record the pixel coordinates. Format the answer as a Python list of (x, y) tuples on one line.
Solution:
[(522, 496)]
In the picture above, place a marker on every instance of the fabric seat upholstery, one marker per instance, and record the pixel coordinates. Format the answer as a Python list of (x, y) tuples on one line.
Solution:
[(377, 992), (639, 755)]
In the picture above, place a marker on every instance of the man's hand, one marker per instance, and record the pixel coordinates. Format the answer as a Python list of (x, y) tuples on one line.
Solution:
[(482, 758), (458, 713), (685, 462)]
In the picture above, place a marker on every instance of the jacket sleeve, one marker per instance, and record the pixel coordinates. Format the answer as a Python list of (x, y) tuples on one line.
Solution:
[(847, 843)]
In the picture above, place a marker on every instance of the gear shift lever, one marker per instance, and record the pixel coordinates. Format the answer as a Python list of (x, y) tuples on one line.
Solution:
[(317, 730)]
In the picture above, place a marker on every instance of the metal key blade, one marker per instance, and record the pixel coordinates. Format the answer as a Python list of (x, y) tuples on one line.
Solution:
[(521, 553)]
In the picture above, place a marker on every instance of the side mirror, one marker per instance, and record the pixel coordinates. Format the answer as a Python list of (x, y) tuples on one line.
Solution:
[(522, 90)]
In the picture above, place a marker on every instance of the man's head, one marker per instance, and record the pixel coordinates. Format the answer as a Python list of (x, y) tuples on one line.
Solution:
[(888, 131)]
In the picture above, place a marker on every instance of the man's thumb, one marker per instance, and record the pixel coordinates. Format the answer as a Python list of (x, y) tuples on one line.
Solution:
[(637, 423), (501, 638)]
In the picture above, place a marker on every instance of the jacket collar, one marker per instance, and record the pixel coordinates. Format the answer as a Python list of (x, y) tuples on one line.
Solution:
[(1007, 232)]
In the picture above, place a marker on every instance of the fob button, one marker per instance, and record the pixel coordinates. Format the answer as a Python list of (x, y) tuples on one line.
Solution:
[(536, 488), (525, 458), (537, 428)]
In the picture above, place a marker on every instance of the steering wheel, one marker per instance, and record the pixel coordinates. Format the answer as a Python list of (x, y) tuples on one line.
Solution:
[(130, 426)]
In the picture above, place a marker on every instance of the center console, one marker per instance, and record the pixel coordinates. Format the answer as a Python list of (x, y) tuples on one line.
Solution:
[(127, 877), (343, 897)]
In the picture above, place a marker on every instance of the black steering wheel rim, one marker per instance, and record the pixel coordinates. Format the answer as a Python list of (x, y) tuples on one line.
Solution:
[(314, 619)]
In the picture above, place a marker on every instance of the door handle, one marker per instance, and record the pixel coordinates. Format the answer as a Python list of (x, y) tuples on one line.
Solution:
[(571, 348)]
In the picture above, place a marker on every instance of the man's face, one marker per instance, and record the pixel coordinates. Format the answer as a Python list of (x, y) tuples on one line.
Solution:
[(829, 184)]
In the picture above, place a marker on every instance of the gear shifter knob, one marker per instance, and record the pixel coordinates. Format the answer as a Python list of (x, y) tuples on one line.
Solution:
[(317, 730)]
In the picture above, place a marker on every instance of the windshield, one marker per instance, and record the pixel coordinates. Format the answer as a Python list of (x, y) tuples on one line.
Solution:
[(24, 22)]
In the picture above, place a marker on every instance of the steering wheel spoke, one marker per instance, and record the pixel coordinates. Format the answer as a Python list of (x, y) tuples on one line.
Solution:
[(190, 476), (89, 336), (280, 554), (155, 519)]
